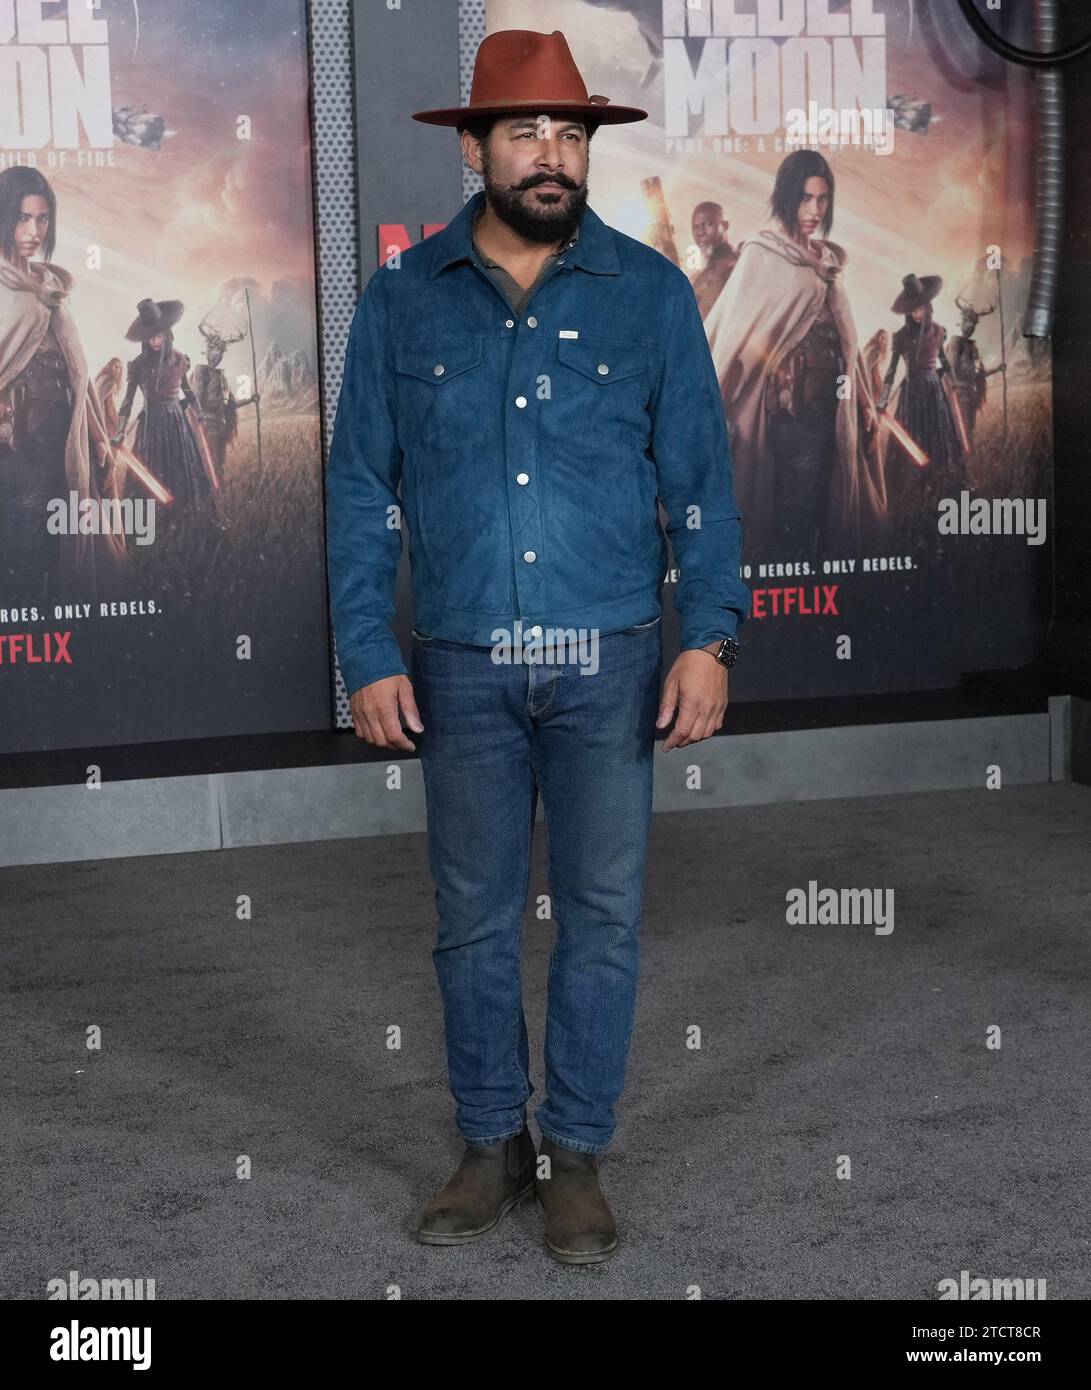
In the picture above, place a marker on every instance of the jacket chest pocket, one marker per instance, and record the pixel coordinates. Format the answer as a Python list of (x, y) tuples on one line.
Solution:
[(606, 381), (438, 385), (604, 361), (600, 393)]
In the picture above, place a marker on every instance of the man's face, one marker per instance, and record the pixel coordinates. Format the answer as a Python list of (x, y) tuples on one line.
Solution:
[(535, 173), (708, 229)]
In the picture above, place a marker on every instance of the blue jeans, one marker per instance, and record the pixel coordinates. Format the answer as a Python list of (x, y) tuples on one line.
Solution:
[(494, 734)]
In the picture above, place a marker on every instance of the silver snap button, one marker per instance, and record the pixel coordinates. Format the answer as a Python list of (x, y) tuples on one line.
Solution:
[(520, 401), (532, 322), (438, 369), (522, 478), (509, 323), (602, 369), (529, 556), (534, 631)]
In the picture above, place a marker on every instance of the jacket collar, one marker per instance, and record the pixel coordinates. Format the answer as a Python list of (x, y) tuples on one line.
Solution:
[(593, 251)]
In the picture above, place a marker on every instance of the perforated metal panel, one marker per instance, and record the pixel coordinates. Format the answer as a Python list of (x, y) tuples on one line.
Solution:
[(471, 30), (330, 26), (335, 165)]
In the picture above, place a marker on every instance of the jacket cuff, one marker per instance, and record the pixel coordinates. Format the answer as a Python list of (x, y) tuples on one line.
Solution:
[(365, 665), (709, 629)]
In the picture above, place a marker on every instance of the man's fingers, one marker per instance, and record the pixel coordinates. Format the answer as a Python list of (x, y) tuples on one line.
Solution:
[(409, 707), (382, 727), (688, 712), (667, 703), (392, 728), (696, 722), (681, 735)]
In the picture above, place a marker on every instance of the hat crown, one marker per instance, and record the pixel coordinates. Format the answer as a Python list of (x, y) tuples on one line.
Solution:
[(523, 65)]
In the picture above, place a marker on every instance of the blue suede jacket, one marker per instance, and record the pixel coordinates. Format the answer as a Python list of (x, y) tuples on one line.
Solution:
[(529, 454)]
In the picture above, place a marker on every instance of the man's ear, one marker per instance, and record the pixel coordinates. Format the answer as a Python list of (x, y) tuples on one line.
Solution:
[(471, 150)]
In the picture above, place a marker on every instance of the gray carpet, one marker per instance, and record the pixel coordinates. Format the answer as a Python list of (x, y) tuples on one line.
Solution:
[(267, 1038)]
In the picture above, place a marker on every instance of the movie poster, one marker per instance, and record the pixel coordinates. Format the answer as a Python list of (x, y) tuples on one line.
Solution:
[(161, 550), (890, 424)]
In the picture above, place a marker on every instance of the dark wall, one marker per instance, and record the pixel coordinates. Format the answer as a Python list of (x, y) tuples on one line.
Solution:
[(398, 157), (1072, 389), (1063, 667)]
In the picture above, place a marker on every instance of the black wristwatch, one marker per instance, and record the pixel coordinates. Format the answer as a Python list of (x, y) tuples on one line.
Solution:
[(728, 653)]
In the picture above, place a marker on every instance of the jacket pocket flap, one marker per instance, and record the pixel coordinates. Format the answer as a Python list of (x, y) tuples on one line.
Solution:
[(434, 361), (602, 359)]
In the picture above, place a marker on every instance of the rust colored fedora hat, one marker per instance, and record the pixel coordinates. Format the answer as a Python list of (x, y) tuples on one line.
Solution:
[(520, 70)]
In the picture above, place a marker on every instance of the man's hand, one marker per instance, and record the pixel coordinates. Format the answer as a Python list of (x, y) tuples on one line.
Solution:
[(375, 709), (697, 688)]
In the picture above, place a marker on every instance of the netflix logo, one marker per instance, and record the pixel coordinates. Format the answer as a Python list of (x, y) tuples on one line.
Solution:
[(33, 648), (806, 601)]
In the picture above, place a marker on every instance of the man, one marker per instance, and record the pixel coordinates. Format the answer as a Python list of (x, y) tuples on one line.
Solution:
[(534, 380), (710, 236)]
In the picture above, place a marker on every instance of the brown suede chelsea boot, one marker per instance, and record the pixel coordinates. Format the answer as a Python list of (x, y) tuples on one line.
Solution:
[(579, 1225), (489, 1181)]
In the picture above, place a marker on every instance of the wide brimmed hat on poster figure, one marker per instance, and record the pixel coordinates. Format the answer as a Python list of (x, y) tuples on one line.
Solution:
[(917, 291)]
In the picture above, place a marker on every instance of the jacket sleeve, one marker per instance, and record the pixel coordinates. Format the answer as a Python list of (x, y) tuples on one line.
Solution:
[(363, 510), (693, 462)]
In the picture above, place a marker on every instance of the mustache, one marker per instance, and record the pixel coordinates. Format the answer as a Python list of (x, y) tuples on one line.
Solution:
[(536, 179)]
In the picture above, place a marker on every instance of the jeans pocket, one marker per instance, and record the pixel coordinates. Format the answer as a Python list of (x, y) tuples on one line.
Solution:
[(641, 627)]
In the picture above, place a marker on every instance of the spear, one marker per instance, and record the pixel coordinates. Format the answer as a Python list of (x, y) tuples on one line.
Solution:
[(254, 362)]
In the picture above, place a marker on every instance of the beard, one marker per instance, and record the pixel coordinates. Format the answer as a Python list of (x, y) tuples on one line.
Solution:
[(537, 221)]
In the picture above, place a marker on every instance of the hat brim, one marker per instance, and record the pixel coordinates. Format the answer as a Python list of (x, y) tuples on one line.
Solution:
[(603, 114)]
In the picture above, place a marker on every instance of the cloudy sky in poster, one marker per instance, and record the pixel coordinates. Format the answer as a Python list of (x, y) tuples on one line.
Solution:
[(208, 212)]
